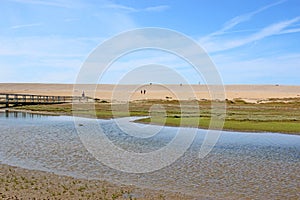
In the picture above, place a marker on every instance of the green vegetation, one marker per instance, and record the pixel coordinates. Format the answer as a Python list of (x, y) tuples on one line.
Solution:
[(274, 115), (246, 126)]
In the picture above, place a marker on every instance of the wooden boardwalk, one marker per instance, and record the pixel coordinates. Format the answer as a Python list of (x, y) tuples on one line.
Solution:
[(29, 99)]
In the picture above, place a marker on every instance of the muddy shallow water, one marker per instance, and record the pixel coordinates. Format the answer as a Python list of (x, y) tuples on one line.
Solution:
[(241, 165)]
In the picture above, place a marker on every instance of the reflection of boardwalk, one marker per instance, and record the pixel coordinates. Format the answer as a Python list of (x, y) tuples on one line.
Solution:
[(28, 99)]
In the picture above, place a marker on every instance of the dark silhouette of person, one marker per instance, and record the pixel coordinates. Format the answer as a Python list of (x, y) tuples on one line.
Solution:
[(141, 91), (144, 91), (83, 95)]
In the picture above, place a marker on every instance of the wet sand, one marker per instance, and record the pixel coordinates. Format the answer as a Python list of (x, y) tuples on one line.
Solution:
[(18, 183), (250, 93)]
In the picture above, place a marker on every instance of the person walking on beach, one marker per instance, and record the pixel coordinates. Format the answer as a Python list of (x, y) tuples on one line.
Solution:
[(144, 91)]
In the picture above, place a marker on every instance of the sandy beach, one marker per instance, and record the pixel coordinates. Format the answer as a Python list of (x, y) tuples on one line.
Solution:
[(250, 93)]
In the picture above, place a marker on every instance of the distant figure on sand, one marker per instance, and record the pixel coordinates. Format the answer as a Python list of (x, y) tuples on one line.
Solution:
[(83, 95), (141, 91), (144, 91)]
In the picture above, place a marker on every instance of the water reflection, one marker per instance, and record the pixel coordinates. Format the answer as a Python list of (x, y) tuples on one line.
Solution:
[(16, 114)]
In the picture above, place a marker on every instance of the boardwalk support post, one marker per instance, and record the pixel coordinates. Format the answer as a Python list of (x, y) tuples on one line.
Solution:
[(7, 100)]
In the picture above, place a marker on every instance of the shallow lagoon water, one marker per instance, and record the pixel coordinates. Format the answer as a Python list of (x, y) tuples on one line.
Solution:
[(241, 165)]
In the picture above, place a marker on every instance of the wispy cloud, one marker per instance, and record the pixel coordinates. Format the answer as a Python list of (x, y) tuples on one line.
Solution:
[(26, 25), (243, 18), (216, 41), (274, 29), (121, 7), (128, 9), (279, 28), (209, 41), (294, 30), (253, 65), (157, 8)]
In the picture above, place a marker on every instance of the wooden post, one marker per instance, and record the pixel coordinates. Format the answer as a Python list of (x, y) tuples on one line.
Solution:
[(7, 100), (16, 99)]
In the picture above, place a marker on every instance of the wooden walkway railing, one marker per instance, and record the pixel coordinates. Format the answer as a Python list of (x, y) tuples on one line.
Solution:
[(29, 99)]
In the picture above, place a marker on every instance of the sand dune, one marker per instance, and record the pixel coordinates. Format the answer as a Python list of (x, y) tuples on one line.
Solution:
[(251, 93)]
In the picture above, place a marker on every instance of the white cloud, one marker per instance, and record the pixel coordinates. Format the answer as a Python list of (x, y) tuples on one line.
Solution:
[(246, 65), (294, 30), (239, 19), (217, 44), (120, 7), (273, 29), (157, 8), (26, 25), (128, 9), (214, 42)]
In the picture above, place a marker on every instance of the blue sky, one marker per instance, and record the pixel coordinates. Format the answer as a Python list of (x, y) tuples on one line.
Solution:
[(250, 42)]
